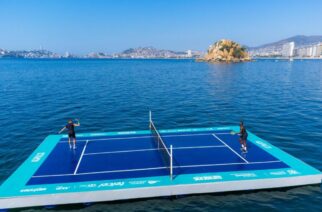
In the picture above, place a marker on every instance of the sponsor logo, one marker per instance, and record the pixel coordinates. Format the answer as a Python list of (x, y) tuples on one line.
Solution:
[(264, 145), (142, 182), (292, 172), (245, 175), (32, 190), (138, 182), (62, 188), (37, 157), (152, 182), (113, 184), (278, 173), (88, 186), (207, 178)]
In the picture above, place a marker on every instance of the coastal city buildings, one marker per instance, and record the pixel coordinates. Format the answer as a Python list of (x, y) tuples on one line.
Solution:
[(289, 49), (151, 52), (189, 53), (135, 53), (28, 54), (281, 49), (310, 51)]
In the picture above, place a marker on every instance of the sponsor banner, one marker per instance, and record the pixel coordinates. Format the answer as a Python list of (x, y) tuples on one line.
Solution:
[(33, 190), (207, 178), (278, 173), (63, 188), (37, 157), (244, 175), (293, 172), (112, 184), (144, 182)]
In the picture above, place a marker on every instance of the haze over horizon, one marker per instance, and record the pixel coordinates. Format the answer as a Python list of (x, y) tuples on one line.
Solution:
[(112, 26)]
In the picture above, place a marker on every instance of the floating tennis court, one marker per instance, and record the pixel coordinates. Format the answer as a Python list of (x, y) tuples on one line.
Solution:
[(152, 163)]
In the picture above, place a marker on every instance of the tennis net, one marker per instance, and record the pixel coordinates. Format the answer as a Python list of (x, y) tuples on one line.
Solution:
[(165, 152)]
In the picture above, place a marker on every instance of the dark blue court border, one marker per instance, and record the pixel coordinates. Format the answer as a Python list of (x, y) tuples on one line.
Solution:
[(62, 161)]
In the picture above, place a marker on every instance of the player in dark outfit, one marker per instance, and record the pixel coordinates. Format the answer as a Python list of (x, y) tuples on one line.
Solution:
[(243, 137), (71, 132)]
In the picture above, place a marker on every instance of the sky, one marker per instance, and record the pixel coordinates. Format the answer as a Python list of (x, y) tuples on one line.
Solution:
[(83, 26)]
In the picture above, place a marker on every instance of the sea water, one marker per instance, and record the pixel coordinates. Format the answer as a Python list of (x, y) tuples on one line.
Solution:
[(278, 100)]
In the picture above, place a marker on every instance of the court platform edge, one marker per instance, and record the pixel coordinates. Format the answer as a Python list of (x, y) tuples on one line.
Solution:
[(14, 193)]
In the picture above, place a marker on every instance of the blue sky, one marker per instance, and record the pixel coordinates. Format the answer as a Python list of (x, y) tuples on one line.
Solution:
[(82, 26)]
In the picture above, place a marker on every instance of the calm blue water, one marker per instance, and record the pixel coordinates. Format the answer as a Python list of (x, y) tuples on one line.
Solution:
[(279, 101)]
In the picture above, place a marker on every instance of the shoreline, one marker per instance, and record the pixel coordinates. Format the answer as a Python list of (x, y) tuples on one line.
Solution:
[(80, 58), (282, 58), (195, 59)]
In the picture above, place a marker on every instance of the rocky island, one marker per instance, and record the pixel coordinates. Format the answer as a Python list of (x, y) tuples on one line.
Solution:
[(226, 51)]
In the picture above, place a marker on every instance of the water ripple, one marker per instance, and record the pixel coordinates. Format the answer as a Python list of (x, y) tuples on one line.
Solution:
[(280, 102)]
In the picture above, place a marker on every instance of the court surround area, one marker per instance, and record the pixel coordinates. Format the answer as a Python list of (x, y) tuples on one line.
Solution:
[(151, 163)]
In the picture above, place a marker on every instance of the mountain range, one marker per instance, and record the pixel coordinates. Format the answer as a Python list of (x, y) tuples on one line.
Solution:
[(299, 40), (151, 52)]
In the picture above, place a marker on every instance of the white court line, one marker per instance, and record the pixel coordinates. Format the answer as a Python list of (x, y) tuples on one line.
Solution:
[(101, 172), (156, 168), (153, 149), (230, 148), (228, 164), (80, 158), (137, 137)]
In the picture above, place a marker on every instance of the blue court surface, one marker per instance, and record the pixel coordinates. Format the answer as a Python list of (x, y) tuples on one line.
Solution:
[(129, 165)]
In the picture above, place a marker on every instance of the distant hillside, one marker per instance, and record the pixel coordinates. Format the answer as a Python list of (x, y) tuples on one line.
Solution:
[(140, 52), (28, 54), (148, 52), (299, 40)]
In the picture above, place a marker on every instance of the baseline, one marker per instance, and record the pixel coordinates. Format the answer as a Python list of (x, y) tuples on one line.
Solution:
[(138, 137), (156, 168)]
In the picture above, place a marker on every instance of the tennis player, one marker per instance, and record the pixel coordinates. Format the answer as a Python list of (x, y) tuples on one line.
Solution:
[(243, 137), (71, 132)]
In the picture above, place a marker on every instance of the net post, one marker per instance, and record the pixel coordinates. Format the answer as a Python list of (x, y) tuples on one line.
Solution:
[(150, 118), (171, 163)]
